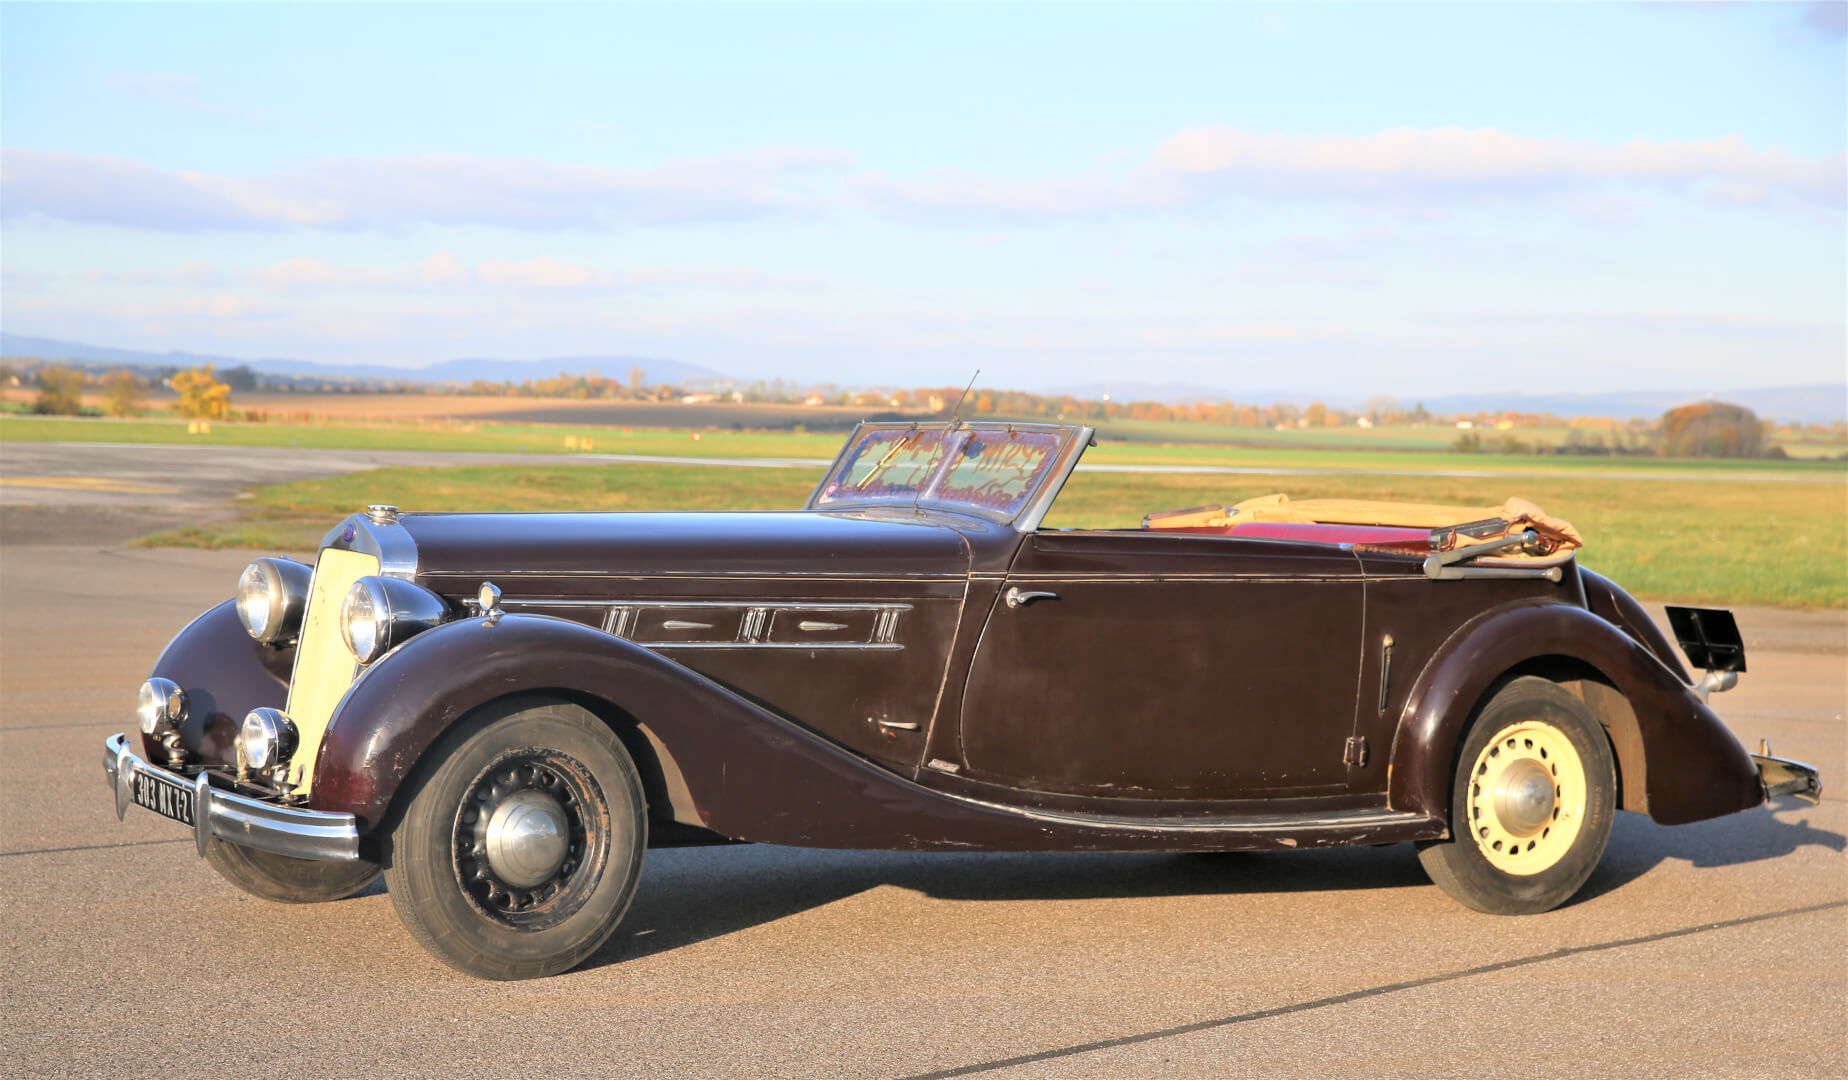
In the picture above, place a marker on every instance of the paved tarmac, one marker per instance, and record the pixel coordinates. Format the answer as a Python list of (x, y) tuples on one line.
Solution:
[(1715, 949)]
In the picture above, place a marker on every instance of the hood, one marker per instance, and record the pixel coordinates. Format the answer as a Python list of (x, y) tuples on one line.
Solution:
[(800, 544)]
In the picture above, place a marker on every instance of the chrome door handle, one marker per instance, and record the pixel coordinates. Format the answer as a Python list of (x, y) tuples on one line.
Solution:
[(1016, 598)]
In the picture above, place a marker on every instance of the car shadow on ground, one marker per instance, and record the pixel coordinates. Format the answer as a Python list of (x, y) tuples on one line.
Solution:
[(1638, 844), (689, 895)]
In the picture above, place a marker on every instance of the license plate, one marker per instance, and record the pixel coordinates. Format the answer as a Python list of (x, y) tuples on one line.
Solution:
[(164, 795)]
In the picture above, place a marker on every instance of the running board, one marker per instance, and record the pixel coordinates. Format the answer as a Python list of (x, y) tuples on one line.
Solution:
[(1246, 832)]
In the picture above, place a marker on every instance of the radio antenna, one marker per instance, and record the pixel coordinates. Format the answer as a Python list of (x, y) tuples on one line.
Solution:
[(956, 413)]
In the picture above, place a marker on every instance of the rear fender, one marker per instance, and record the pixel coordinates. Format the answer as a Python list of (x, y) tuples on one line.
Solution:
[(1693, 766)]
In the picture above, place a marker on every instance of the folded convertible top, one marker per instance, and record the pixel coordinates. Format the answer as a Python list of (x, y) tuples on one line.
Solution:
[(1445, 527)]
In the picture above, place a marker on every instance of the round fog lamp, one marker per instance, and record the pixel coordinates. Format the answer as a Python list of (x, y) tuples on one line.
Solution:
[(267, 738), (159, 706)]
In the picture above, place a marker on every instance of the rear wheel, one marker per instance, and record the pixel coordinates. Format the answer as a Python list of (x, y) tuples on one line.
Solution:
[(1531, 804), (287, 880), (519, 849)]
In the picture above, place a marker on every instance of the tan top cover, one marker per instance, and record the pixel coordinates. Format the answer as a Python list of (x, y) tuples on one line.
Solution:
[(1279, 508)]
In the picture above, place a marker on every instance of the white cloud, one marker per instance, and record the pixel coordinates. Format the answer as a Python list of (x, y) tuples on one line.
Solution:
[(1486, 162), (547, 273), (302, 272), (389, 193), (535, 273), (192, 273), (442, 268), (443, 271), (1407, 170), (1415, 172)]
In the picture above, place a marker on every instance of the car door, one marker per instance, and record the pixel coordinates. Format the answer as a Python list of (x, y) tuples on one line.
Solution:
[(1167, 665)]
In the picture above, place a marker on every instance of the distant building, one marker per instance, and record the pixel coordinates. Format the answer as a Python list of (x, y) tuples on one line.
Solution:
[(1465, 425), (814, 399)]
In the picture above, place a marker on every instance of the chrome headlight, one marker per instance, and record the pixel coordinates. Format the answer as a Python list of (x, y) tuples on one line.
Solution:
[(271, 596), (267, 739), (161, 706), (380, 612)]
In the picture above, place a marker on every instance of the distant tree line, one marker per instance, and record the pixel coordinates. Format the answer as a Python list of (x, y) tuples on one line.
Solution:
[(202, 395), (1707, 429)]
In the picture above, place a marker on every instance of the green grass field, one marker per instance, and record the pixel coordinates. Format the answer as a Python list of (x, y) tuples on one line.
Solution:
[(1724, 542), (550, 439)]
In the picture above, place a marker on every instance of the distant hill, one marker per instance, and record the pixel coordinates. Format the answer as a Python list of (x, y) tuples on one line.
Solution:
[(463, 370)]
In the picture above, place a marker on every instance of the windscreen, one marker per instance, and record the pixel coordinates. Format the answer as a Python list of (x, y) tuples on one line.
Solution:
[(997, 470), (887, 466), (994, 471)]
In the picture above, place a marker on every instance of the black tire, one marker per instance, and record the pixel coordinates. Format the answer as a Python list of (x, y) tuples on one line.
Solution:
[(469, 911), (287, 880), (1507, 854)]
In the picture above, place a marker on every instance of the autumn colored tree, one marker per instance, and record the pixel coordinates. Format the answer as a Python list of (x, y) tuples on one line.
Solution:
[(60, 391), (202, 396), (1712, 429), (122, 393)]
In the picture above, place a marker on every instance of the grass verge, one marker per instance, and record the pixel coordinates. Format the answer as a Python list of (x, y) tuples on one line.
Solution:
[(1361, 452), (1723, 542)]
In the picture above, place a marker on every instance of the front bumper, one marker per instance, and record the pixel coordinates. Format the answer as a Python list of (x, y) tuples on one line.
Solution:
[(1781, 776), (253, 823)]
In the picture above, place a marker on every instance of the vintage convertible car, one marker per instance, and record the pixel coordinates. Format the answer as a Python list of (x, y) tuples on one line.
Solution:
[(501, 713)]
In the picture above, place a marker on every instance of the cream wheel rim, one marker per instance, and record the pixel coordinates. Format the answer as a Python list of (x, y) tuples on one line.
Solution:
[(1526, 797)]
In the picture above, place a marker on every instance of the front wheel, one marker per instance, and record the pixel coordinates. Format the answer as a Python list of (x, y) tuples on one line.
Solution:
[(519, 849), (1531, 805)]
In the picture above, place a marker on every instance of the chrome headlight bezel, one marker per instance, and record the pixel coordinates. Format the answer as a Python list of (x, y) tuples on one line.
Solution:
[(379, 613), (160, 706), (267, 739), (272, 594)]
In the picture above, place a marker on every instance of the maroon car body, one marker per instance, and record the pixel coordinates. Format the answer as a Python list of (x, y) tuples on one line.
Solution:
[(906, 666)]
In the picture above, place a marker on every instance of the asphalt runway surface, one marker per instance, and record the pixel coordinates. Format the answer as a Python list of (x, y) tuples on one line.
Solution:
[(1714, 949)]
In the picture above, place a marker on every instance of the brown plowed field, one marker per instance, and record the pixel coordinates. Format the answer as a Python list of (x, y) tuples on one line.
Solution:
[(518, 410)]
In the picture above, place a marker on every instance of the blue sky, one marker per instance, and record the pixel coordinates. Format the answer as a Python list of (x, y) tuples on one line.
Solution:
[(1326, 199)]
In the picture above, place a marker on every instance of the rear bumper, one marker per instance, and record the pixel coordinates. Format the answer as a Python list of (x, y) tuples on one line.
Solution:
[(1781, 776), (239, 819)]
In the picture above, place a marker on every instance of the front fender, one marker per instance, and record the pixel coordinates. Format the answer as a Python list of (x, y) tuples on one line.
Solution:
[(225, 674), (747, 773), (1695, 768)]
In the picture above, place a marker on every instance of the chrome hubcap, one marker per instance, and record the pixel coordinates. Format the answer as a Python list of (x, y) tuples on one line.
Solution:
[(528, 837), (531, 838), (1524, 797)]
